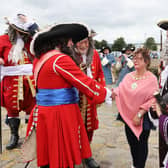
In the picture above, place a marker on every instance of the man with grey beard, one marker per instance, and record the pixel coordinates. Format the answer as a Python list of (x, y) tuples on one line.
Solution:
[(18, 91), (87, 58)]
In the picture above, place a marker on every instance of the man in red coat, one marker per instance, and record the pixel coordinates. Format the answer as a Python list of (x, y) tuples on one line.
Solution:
[(18, 91), (87, 58), (60, 132)]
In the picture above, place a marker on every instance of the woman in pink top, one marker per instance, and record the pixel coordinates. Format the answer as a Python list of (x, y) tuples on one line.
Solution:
[(134, 97)]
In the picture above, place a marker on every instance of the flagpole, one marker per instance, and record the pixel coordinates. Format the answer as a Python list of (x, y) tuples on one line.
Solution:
[(161, 43)]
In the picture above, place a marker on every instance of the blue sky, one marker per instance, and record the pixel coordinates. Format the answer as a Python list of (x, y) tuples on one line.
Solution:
[(134, 20)]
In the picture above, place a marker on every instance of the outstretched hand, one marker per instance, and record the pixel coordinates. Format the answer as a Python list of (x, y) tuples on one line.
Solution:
[(113, 95)]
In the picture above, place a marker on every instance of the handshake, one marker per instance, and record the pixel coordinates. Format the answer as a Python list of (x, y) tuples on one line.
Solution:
[(110, 96)]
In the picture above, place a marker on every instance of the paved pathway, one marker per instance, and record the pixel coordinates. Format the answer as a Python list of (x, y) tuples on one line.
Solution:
[(109, 145)]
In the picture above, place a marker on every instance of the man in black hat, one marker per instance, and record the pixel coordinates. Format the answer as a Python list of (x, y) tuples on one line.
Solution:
[(107, 61), (61, 135), (18, 92), (126, 62)]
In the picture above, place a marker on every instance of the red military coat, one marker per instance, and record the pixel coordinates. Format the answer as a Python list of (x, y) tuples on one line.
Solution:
[(13, 97), (61, 136)]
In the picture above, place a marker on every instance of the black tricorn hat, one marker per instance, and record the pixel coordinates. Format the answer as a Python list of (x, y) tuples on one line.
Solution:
[(130, 47), (163, 24), (76, 31), (123, 50), (105, 47)]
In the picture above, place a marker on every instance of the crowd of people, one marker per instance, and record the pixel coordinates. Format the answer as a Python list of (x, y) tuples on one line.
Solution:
[(58, 78)]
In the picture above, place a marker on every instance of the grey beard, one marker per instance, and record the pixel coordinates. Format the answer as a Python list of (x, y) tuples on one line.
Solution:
[(89, 54), (16, 52)]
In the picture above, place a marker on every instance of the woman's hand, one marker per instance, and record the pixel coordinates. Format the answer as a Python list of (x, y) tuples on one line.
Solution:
[(138, 117), (155, 107), (113, 95), (137, 120), (1, 61)]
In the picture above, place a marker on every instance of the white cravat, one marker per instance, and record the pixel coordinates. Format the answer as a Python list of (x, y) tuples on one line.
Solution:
[(89, 72)]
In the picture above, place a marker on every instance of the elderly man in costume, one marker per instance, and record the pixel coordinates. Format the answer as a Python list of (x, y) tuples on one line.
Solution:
[(18, 92), (87, 58), (163, 147), (61, 135)]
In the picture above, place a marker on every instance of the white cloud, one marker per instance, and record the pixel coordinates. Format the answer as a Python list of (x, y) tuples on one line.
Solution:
[(134, 20)]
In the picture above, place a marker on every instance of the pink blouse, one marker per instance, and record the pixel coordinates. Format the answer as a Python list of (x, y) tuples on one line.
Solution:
[(133, 94)]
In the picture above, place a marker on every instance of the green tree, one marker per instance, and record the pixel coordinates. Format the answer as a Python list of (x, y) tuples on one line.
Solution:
[(97, 44), (118, 44), (100, 44), (150, 44)]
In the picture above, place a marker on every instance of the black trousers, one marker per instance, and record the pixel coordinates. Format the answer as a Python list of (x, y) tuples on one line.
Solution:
[(139, 148)]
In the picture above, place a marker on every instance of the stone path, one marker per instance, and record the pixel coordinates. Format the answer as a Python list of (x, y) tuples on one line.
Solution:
[(109, 146)]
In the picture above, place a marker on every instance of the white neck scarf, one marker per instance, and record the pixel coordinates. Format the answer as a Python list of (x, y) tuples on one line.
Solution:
[(89, 72)]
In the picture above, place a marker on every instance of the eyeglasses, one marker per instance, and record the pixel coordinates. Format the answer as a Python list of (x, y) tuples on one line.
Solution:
[(137, 58)]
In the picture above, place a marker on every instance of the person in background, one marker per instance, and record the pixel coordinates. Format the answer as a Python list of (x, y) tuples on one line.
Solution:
[(61, 135), (163, 83), (87, 58), (163, 127), (126, 63), (107, 61), (134, 97), (163, 147), (18, 91)]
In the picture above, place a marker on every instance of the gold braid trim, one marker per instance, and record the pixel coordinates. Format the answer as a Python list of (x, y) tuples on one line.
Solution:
[(20, 90), (83, 109), (20, 95), (20, 83), (83, 99), (31, 86)]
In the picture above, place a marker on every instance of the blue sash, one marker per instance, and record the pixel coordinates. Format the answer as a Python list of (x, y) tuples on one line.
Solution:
[(53, 97)]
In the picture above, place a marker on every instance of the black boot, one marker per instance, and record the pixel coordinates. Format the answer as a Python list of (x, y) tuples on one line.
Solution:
[(47, 166), (6, 120), (14, 127), (27, 118), (91, 163), (26, 121)]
